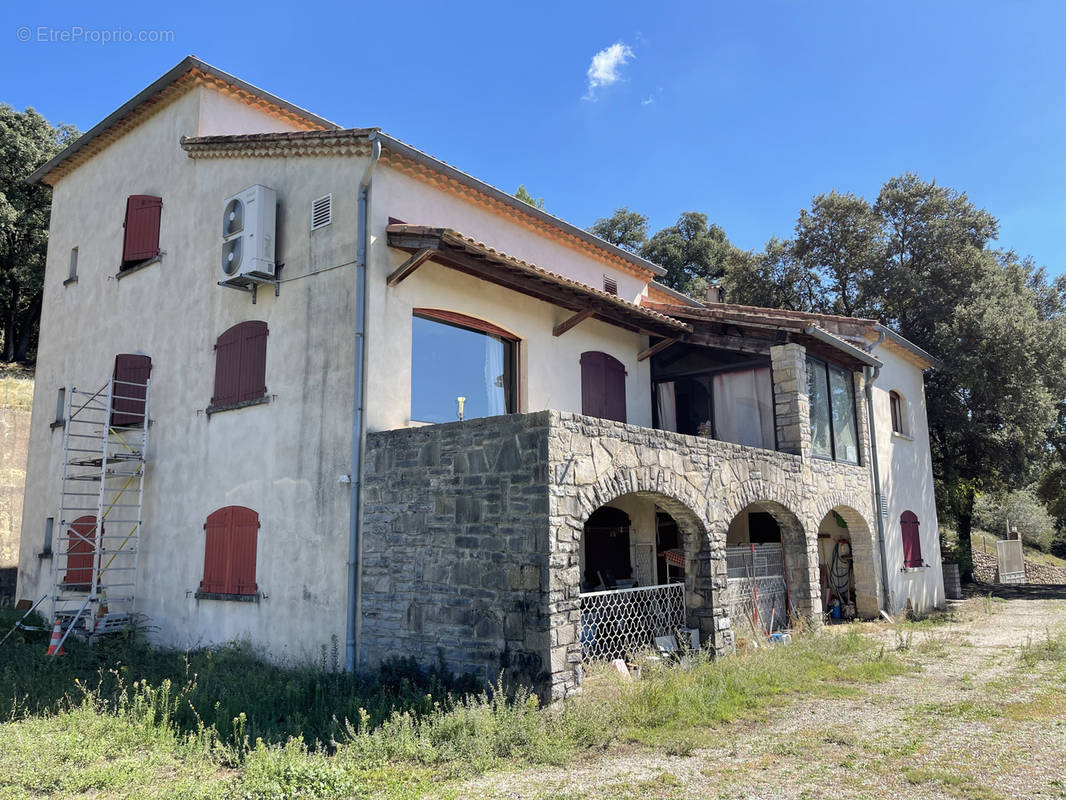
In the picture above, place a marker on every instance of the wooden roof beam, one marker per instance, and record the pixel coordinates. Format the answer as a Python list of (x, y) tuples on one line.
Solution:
[(407, 268), (656, 348), (570, 322)]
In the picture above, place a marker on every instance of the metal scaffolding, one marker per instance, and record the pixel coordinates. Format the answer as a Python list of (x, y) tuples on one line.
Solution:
[(105, 442)]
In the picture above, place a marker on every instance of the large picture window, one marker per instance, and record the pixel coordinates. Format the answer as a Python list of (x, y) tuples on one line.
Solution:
[(459, 361), (834, 427)]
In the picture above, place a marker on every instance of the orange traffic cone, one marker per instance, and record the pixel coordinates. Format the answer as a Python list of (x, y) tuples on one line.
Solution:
[(57, 636)]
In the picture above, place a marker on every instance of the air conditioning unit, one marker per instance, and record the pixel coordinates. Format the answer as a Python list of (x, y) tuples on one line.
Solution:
[(248, 220)]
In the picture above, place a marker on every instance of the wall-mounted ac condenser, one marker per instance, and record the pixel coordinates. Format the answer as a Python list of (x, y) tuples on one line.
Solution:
[(248, 220)]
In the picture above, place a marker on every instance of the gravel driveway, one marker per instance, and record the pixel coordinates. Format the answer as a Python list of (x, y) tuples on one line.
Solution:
[(976, 718)]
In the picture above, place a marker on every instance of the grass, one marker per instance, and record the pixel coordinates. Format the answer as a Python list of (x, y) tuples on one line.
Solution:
[(16, 387), (218, 723)]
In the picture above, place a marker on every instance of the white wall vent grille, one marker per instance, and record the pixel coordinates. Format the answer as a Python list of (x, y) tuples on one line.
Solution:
[(883, 502), (321, 212), (610, 285)]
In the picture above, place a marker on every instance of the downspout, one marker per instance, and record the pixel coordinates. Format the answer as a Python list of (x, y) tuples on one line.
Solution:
[(871, 374), (353, 623)]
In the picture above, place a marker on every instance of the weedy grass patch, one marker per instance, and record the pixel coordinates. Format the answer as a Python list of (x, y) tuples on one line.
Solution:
[(126, 719)]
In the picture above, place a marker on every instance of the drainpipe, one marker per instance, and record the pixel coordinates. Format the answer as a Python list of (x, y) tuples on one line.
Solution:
[(353, 627), (871, 374)]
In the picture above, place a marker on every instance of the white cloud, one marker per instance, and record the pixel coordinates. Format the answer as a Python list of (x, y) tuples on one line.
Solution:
[(648, 101), (603, 71)]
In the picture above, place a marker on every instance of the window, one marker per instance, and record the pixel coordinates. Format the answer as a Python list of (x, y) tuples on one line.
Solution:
[(834, 427), (912, 543), (81, 550), (896, 403), (61, 403), (240, 365), (610, 285), (49, 531), (73, 276), (141, 240), (603, 386), (230, 541), (128, 400), (461, 367)]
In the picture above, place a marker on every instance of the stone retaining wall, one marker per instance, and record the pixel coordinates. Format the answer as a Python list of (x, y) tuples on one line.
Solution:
[(986, 570)]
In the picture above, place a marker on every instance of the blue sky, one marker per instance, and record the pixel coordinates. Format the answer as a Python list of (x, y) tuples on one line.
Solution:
[(740, 110)]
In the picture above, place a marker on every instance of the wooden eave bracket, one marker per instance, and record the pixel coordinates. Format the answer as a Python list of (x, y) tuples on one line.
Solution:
[(657, 348), (570, 322), (409, 266)]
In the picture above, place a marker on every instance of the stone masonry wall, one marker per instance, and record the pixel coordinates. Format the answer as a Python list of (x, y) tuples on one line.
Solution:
[(703, 484), (472, 532), (455, 546)]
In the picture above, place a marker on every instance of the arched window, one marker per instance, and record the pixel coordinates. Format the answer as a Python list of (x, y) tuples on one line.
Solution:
[(230, 541), (895, 401), (240, 365), (912, 543), (461, 367), (603, 386)]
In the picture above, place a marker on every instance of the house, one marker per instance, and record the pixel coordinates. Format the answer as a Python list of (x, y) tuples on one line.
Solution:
[(434, 420)]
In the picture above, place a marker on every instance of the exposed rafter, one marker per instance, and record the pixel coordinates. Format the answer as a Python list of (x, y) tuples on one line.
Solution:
[(658, 347), (409, 266), (571, 322)]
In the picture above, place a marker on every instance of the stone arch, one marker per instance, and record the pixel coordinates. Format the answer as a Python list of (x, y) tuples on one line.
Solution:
[(863, 550), (800, 559), (686, 504)]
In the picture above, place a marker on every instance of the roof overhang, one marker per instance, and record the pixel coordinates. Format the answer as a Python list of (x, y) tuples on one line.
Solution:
[(755, 330), (465, 254), (929, 360), (115, 122)]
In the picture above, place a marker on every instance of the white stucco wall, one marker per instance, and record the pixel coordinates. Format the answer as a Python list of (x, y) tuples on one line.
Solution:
[(281, 459), (549, 366), (906, 474)]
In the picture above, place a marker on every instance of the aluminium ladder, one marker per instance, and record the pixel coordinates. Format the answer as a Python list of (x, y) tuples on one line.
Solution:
[(105, 441)]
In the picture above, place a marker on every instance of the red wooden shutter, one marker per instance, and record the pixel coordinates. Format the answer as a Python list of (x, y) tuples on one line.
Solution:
[(240, 363), (912, 543), (227, 367), (231, 535), (132, 372), (603, 386), (216, 556), (244, 533), (141, 241), (252, 381), (81, 549)]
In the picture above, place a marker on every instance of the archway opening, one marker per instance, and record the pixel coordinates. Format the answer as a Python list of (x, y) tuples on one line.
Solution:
[(635, 556), (768, 583), (836, 569), (846, 569)]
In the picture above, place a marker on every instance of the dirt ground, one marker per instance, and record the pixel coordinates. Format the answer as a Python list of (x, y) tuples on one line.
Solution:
[(979, 716)]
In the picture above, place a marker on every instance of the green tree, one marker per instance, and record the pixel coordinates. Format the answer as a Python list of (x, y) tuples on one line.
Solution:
[(526, 197), (1022, 510), (993, 403), (27, 140), (774, 278), (840, 240), (624, 228), (689, 250)]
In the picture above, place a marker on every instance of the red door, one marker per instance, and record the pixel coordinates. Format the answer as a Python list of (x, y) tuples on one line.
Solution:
[(81, 549)]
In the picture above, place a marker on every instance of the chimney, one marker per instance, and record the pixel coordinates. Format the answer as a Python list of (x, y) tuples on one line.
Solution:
[(714, 293)]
